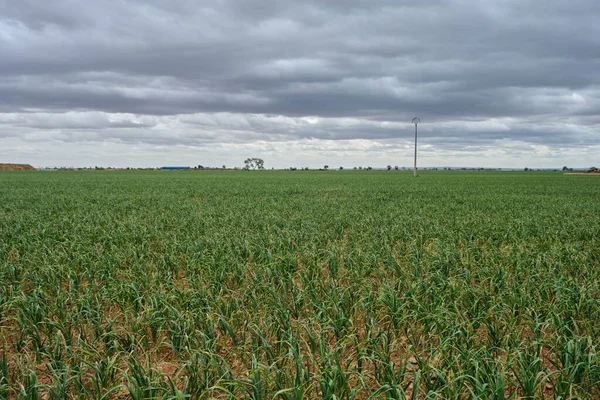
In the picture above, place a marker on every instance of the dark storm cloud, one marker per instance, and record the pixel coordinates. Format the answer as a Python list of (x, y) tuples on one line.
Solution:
[(448, 61)]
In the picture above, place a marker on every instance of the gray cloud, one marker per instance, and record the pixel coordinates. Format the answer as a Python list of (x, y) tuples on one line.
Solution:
[(240, 71)]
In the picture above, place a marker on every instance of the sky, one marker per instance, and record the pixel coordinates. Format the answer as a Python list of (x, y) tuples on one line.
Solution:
[(146, 83)]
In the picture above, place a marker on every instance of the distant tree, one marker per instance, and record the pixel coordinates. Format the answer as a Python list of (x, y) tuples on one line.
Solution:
[(200, 166), (223, 166), (369, 168), (326, 167), (341, 168), (354, 168), (396, 168), (389, 167), (593, 169), (565, 168), (526, 169), (254, 163), (360, 168)]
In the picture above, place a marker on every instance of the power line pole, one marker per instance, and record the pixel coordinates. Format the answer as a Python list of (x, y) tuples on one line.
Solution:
[(415, 121)]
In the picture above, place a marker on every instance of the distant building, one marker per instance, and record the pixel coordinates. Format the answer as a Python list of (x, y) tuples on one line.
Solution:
[(169, 168)]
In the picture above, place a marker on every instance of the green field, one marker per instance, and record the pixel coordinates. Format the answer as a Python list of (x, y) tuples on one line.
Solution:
[(298, 285)]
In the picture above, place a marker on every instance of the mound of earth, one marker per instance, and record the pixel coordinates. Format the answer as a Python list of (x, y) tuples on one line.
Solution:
[(16, 167)]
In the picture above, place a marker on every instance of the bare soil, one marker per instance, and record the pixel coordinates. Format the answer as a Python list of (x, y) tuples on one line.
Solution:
[(16, 167)]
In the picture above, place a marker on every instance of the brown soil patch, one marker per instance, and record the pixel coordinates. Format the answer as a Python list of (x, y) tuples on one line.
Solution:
[(16, 167), (582, 173)]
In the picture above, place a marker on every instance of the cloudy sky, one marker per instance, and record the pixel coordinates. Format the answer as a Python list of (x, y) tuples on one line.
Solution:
[(511, 83)]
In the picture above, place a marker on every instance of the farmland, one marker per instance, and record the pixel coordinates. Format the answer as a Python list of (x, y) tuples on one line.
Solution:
[(292, 285)]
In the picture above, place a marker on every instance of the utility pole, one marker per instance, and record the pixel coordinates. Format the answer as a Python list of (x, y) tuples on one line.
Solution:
[(415, 121)]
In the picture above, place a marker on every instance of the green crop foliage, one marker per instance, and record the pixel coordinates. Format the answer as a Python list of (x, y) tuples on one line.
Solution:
[(296, 285)]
